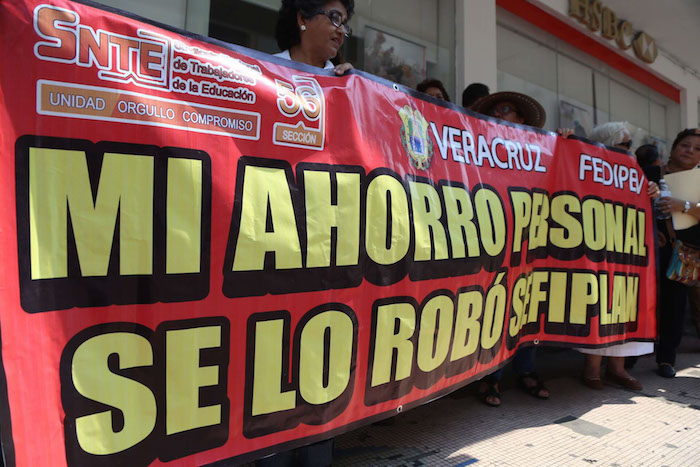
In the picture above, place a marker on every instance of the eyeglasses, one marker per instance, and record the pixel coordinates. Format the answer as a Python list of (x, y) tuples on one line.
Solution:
[(337, 20), (689, 145), (504, 109), (626, 144)]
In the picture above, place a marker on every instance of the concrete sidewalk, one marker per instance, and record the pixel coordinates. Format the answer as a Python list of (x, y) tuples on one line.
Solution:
[(577, 426)]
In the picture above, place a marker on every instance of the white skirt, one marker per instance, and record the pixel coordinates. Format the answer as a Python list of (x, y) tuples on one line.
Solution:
[(628, 349)]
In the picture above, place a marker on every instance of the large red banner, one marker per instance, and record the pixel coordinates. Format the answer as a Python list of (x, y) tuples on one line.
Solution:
[(211, 253)]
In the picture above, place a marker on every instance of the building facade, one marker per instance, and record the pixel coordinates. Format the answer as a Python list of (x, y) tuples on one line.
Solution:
[(587, 61)]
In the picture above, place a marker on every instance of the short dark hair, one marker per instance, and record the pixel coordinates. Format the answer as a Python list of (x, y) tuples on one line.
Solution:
[(287, 31), (433, 83), (647, 154), (473, 93), (683, 135)]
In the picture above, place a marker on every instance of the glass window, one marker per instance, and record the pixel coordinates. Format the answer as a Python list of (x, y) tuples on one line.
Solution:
[(577, 90), (526, 59), (526, 66), (172, 12), (628, 105), (421, 33), (576, 96), (423, 29), (657, 118), (601, 93), (575, 80), (250, 24)]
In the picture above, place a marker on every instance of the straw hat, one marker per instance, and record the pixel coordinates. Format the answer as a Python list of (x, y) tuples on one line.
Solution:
[(531, 110)]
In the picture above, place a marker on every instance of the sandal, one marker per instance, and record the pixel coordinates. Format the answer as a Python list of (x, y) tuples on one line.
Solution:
[(490, 394), (535, 390)]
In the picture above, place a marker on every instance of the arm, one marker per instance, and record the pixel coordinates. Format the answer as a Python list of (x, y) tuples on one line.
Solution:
[(670, 204)]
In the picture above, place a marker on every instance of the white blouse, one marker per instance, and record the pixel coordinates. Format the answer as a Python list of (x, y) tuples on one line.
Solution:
[(286, 55)]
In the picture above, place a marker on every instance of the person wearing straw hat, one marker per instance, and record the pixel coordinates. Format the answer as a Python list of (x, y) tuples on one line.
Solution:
[(513, 107)]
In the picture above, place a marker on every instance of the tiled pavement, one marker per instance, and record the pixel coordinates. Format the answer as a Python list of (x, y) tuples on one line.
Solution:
[(659, 426)]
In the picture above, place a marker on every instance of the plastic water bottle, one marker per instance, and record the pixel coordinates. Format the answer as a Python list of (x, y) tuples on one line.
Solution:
[(665, 192)]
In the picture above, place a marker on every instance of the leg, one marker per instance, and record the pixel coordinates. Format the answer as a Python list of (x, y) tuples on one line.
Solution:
[(591, 371), (524, 366), (616, 366), (495, 376), (524, 360), (591, 366), (317, 455), (672, 303), (489, 389), (672, 311)]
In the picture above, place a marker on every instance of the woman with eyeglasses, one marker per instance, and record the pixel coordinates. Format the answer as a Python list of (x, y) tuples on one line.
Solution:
[(617, 135), (685, 155), (313, 31)]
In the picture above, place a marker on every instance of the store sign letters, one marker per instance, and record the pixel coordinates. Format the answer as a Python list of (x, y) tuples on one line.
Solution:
[(600, 18)]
